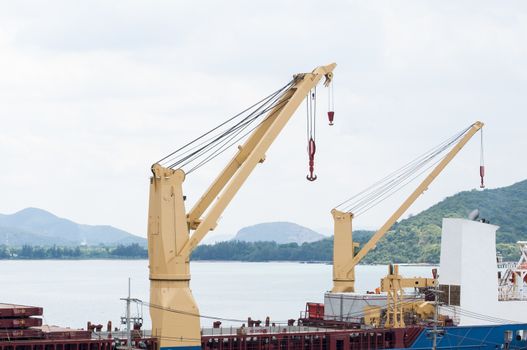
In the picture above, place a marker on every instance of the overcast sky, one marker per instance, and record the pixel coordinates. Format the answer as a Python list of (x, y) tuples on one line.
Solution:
[(93, 92)]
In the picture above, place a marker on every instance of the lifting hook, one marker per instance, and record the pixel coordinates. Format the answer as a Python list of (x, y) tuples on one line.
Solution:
[(311, 150), (331, 99), (481, 162), (331, 116)]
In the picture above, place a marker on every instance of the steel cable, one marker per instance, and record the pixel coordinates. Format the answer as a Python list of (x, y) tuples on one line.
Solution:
[(213, 140), (225, 122), (384, 188), (220, 151), (217, 140), (399, 178)]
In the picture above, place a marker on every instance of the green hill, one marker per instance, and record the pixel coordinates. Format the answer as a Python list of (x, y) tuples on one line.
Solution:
[(418, 239)]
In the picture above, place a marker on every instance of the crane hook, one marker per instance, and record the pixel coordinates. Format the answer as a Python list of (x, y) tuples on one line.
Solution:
[(481, 162), (331, 116), (311, 150), (331, 103)]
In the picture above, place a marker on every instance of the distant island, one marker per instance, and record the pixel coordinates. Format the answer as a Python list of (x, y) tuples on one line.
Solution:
[(413, 240), (278, 232)]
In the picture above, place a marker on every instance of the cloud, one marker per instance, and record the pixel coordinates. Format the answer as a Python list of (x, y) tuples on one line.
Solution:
[(92, 93)]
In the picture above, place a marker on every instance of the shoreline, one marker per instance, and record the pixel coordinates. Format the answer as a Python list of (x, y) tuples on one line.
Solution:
[(212, 261)]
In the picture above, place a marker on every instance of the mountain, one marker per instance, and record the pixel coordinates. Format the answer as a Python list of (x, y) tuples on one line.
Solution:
[(279, 232), (33, 226), (418, 238)]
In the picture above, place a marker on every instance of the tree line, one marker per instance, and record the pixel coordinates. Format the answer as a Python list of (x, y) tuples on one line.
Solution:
[(132, 251), (265, 251)]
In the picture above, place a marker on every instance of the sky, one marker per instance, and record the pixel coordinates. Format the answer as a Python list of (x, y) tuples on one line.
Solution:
[(93, 92)]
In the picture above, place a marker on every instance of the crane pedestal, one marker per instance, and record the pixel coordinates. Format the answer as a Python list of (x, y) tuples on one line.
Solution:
[(174, 315), (343, 252), (173, 310)]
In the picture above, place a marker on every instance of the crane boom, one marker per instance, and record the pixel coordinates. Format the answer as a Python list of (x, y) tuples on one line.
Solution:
[(344, 262), (173, 310), (223, 178)]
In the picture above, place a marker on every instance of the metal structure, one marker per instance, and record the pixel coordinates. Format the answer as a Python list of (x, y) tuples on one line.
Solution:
[(170, 241), (132, 324), (344, 257), (394, 284), (513, 283)]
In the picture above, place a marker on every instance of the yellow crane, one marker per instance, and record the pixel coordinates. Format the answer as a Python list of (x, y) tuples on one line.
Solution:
[(174, 232), (344, 256)]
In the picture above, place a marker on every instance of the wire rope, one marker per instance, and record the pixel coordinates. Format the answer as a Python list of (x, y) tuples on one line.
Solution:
[(227, 146), (225, 122), (217, 139), (187, 313), (390, 184)]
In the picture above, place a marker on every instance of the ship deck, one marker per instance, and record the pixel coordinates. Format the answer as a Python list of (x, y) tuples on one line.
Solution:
[(307, 338)]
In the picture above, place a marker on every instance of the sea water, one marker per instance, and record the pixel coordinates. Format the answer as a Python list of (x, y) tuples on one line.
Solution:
[(73, 292)]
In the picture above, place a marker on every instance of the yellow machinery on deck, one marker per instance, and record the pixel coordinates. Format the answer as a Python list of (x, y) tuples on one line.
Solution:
[(393, 284), (344, 257), (173, 310), (396, 305)]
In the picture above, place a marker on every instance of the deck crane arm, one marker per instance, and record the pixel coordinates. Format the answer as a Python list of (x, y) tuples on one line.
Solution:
[(170, 242), (344, 263)]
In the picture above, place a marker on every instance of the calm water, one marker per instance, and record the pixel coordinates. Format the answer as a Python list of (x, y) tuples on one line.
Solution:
[(73, 292)]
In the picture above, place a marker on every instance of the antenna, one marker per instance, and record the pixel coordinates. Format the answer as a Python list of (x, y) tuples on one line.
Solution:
[(133, 323), (127, 319), (128, 328)]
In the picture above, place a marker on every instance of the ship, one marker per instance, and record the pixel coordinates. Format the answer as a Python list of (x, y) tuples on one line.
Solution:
[(472, 301)]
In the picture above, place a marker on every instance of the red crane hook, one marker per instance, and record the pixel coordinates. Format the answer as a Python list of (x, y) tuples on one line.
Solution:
[(331, 116), (311, 150)]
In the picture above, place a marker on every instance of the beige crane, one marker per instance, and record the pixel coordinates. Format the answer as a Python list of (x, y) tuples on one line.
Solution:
[(173, 310), (344, 257)]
